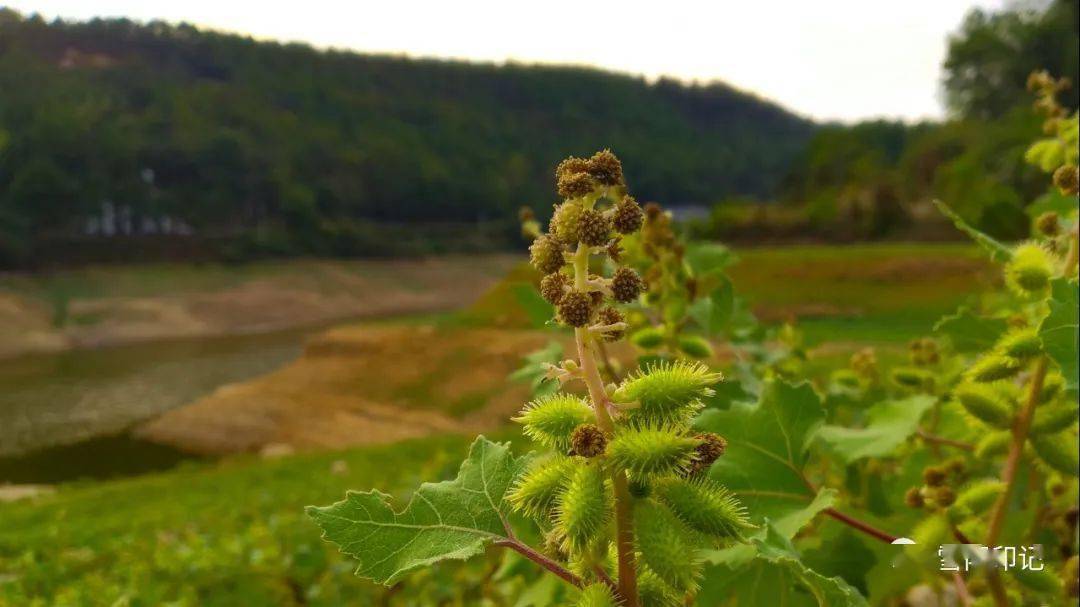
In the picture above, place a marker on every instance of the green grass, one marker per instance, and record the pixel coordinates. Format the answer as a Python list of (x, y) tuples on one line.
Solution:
[(872, 293), (213, 534)]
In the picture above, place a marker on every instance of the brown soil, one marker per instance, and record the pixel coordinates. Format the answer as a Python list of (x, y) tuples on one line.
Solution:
[(781, 313), (364, 384), (361, 385), (313, 293)]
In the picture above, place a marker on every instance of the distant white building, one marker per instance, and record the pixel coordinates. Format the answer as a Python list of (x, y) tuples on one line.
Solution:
[(688, 211), (120, 220)]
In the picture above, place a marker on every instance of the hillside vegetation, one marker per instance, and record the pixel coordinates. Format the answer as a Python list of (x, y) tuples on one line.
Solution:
[(260, 147)]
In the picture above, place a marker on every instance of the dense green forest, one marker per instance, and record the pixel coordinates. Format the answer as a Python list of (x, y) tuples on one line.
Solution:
[(115, 127)]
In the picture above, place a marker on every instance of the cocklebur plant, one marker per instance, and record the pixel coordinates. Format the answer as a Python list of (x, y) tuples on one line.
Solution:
[(619, 493), (1017, 390)]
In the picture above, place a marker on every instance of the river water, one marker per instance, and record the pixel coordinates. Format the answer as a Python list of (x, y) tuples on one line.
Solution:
[(57, 410)]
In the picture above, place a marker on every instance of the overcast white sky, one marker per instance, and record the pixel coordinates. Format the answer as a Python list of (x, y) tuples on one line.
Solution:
[(829, 59)]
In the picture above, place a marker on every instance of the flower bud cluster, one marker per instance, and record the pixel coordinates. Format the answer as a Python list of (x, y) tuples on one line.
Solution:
[(594, 216), (939, 486), (924, 352)]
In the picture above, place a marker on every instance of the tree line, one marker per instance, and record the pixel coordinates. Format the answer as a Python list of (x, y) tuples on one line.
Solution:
[(122, 129), (877, 178)]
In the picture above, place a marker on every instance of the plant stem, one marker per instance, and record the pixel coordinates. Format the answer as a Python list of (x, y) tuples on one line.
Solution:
[(605, 578), (861, 526), (1008, 474), (961, 590), (545, 562), (997, 589), (1016, 449), (941, 440), (624, 516), (606, 360), (851, 521), (1073, 256)]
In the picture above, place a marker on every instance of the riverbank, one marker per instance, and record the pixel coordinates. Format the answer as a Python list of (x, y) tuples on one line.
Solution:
[(386, 381), (115, 305)]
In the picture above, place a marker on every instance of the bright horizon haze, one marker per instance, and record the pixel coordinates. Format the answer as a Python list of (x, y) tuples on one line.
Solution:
[(841, 60)]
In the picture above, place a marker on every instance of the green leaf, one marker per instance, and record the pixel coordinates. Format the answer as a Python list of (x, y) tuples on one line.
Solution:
[(714, 312), (970, 333), (998, 251), (536, 308), (888, 425), (846, 555), (775, 576), (1047, 154), (1059, 329), (535, 370), (545, 590), (705, 258), (766, 453), (1052, 202), (448, 520)]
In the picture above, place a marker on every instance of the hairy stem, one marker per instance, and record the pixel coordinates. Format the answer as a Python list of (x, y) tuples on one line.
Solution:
[(1008, 474), (624, 517), (545, 562)]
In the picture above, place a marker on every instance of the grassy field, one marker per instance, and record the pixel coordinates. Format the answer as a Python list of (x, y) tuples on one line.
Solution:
[(227, 534), (875, 293)]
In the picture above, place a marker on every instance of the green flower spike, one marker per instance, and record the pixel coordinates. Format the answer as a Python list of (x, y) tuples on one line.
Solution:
[(704, 506), (550, 420), (1030, 270), (583, 509), (597, 595), (536, 491), (644, 452), (985, 403), (665, 546), (668, 393)]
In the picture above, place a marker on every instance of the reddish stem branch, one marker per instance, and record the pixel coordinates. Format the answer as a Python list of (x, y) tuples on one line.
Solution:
[(545, 562), (997, 588), (861, 526), (605, 578), (1016, 450), (851, 521), (1008, 474)]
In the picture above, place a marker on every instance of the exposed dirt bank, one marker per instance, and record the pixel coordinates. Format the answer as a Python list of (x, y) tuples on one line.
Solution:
[(111, 306), (361, 384)]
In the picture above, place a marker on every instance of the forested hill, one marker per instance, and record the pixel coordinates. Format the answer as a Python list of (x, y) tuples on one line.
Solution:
[(222, 134)]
